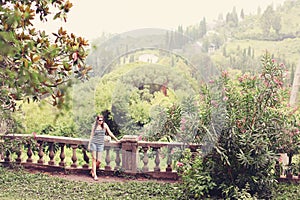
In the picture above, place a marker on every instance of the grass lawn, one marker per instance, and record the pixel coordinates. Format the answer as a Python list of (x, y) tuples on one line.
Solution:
[(19, 184)]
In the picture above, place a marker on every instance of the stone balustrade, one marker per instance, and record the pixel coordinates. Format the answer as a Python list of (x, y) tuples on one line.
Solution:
[(129, 156)]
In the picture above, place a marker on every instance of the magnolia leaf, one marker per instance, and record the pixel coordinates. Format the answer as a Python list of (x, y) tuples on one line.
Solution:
[(36, 58), (57, 15)]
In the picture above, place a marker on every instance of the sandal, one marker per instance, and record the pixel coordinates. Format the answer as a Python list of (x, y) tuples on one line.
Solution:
[(96, 178)]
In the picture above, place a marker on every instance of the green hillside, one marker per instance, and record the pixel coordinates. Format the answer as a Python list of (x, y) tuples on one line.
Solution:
[(249, 32), (235, 42)]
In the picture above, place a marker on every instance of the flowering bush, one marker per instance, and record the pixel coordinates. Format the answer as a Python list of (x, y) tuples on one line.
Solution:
[(242, 124), (254, 125)]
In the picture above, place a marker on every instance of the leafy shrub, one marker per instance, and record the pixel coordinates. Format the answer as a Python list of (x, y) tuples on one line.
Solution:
[(255, 121), (196, 181)]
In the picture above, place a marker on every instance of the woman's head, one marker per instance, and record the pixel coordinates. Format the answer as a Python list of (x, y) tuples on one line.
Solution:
[(100, 120)]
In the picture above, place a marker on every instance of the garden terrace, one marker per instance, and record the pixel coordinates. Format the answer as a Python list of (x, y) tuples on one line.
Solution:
[(129, 157)]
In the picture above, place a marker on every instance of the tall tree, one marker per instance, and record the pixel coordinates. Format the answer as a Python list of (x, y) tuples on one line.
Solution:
[(235, 17), (267, 20), (276, 23), (232, 18), (242, 15), (179, 37), (31, 64), (202, 28)]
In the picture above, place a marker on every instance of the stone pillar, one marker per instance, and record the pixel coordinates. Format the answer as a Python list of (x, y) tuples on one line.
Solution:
[(130, 153), (62, 155), (41, 152), (118, 159), (51, 153), (74, 156), (85, 158)]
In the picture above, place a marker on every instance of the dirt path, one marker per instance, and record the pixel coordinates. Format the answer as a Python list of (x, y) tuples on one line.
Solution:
[(101, 179)]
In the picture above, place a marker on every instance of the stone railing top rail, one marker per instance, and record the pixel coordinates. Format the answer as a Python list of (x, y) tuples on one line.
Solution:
[(168, 144), (84, 141), (50, 138)]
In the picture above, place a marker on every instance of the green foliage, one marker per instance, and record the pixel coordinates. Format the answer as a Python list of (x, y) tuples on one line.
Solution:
[(75, 120), (23, 185), (44, 119), (15, 146), (256, 118), (185, 122), (268, 20), (133, 92), (286, 191), (31, 65), (248, 120), (234, 192), (83, 107), (140, 104), (9, 124), (165, 124), (196, 181)]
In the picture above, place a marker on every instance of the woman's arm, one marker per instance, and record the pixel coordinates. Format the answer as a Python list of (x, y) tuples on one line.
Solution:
[(110, 133), (91, 136)]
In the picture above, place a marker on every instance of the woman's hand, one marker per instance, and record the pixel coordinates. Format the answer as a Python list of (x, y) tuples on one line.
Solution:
[(116, 139)]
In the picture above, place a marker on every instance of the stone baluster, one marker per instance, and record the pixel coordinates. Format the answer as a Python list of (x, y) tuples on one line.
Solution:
[(51, 153), (169, 160), (19, 153), (29, 154), (85, 158), (157, 160), (145, 159), (62, 155), (107, 159), (7, 156), (41, 152), (118, 159), (74, 157)]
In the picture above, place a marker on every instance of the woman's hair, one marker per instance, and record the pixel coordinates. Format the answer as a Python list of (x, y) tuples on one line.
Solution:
[(97, 119)]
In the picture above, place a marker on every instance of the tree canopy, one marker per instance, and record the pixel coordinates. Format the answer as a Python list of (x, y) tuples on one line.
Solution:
[(34, 64)]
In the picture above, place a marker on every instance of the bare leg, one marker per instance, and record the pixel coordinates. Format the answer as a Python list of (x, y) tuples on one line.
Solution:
[(99, 156), (94, 174)]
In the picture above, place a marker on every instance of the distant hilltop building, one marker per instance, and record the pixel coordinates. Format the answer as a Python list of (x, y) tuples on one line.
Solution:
[(150, 58), (211, 48)]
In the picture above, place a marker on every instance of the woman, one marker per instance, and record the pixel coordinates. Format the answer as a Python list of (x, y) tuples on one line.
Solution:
[(96, 143)]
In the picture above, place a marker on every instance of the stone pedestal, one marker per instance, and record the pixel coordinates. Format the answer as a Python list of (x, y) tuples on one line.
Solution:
[(130, 153)]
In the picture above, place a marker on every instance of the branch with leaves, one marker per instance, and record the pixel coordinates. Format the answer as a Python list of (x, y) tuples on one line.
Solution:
[(31, 64)]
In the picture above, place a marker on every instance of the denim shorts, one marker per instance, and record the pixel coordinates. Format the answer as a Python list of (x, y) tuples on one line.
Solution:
[(97, 147)]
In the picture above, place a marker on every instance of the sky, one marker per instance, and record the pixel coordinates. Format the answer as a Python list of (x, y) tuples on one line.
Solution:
[(90, 18)]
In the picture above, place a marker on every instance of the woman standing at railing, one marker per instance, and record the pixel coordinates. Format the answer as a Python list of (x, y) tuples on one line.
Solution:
[(96, 143)]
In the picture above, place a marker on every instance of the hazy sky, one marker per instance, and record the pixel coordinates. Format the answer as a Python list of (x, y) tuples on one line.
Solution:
[(89, 18)]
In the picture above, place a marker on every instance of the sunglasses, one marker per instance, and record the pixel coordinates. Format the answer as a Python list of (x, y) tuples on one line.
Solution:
[(100, 120)]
